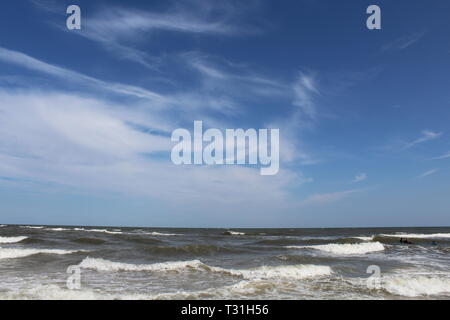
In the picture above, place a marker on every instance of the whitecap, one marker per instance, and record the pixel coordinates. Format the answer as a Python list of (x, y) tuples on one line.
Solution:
[(32, 227), (345, 248), (12, 253), (416, 285), (263, 272), (11, 239), (418, 235)]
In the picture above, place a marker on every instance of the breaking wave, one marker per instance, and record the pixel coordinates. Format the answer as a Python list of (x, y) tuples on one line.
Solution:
[(364, 238), (417, 235), (11, 239), (58, 229), (12, 253), (106, 265), (32, 227), (345, 249), (161, 234), (233, 233), (113, 231), (264, 272), (416, 285), (242, 289), (98, 230)]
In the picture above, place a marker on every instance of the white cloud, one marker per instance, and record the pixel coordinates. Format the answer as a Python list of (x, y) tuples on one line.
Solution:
[(305, 90), (427, 135), (86, 145), (95, 146), (444, 156), (359, 178), (121, 30), (25, 61), (427, 173), (193, 102), (403, 42)]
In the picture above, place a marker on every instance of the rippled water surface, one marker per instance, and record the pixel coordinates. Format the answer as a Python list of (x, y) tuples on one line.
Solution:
[(150, 263)]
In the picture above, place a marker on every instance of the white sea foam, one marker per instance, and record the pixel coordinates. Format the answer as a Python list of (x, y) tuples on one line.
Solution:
[(416, 285), (264, 272), (418, 235), (32, 227), (243, 288), (11, 239), (98, 230), (160, 234), (11, 253), (106, 265), (234, 233), (345, 248), (364, 238), (114, 231), (284, 272), (54, 292)]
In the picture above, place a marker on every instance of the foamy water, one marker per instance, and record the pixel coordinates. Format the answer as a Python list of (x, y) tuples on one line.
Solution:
[(12, 239), (146, 263), (345, 249), (13, 253)]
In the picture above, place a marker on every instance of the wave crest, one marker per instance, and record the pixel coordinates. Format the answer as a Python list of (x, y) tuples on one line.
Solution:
[(100, 264), (416, 285), (417, 235), (12, 253), (346, 248), (264, 272), (12, 239)]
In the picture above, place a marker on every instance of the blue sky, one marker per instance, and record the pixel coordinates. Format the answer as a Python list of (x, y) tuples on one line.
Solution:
[(86, 115)]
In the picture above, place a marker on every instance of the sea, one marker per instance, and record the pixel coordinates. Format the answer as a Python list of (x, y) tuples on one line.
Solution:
[(74, 262)]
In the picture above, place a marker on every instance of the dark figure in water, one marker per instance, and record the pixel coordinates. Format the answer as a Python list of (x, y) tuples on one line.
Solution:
[(405, 241), (434, 243)]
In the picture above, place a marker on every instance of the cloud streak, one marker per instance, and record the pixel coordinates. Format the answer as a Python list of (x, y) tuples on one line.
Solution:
[(426, 173), (444, 156), (427, 135), (84, 144), (28, 62), (305, 89), (121, 31), (403, 42)]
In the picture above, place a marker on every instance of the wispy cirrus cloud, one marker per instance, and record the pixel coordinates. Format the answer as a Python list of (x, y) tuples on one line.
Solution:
[(426, 173), (403, 42), (305, 89), (444, 156), (195, 101), (123, 31), (86, 144), (427, 135), (238, 80), (25, 61)]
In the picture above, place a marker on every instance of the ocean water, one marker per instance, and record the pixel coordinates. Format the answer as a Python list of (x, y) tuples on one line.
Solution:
[(158, 263)]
